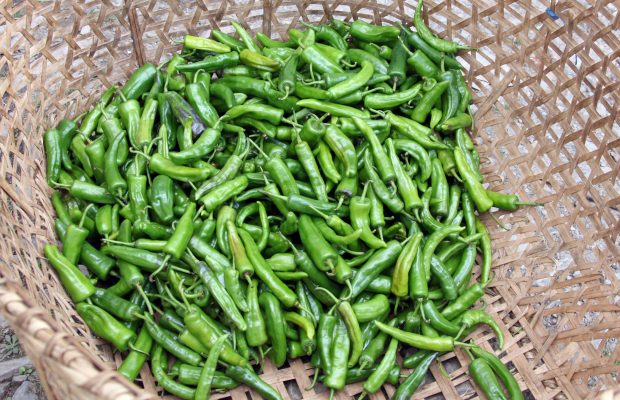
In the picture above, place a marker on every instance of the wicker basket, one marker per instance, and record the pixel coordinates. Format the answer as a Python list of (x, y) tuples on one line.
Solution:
[(546, 80)]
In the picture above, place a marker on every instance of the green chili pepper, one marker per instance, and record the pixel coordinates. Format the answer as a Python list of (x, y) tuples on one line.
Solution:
[(339, 355), (75, 283), (378, 262), (322, 253), (265, 273), (485, 378), (106, 326), (53, 153), (440, 194), (408, 387), (249, 378), (332, 108), (366, 32), (132, 363), (320, 59), (430, 38), (392, 202), (510, 383), (509, 202)]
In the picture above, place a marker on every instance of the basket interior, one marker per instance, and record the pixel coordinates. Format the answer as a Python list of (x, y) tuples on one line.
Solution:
[(546, 85)]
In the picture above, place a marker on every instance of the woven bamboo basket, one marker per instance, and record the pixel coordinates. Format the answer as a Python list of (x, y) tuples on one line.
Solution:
[(546, 80)]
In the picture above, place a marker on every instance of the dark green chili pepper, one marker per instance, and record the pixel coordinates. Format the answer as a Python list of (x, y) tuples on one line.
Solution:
[(183, 232), (267, 42), (78, 148), (161, 198), (227, 39), (171, 321), (378, 262), (423, 65), (66, 131), (203, 388), (305, 264), (249, 378), (416, 150), (428, 100), (158, 364), (205, 330), (325, 337), (437, 56), (189, 375), (115, 182), (140, 81), (329, 35), (463, 302), (103, 220), (312, 131), (265, 112), (211, 63), (406, 389), (437, 320)]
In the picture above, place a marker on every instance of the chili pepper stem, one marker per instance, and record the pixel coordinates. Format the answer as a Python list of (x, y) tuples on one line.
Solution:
[(149, 306), (396, 304), (262, 153), (161, 268), (315, 379), (426, 320), (133, 348), (498, 222), (468, 352)]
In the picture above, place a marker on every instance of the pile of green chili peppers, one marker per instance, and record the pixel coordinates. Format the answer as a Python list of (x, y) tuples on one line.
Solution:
[(254, 198)]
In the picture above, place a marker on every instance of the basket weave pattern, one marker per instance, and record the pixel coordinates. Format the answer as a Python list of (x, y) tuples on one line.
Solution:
[(547, 94)]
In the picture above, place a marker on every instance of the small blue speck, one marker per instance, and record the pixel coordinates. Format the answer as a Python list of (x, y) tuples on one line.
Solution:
[(552, 14)]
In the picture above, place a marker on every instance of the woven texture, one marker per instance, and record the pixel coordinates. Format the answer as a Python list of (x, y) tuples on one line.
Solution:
[(546, 81)]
